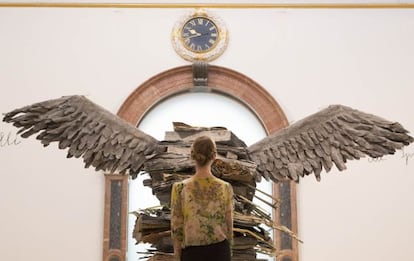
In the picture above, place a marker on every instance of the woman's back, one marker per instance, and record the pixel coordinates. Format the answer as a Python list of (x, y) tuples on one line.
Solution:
[(202, 210), (204, 203)]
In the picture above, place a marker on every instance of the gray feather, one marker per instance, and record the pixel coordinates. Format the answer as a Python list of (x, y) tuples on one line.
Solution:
[(329, 137), (87, 130)]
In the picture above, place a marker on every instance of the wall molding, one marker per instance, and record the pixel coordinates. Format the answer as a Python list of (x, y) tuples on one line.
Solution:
[(209, 5)]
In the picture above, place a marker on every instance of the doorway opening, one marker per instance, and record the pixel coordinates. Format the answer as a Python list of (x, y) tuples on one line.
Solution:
[(226, 86), (196, 109)]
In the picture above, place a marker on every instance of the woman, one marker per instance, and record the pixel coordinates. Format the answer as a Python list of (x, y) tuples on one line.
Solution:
[(202, 210)]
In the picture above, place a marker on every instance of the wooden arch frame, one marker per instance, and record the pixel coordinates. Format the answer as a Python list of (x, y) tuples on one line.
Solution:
[(179, 80)]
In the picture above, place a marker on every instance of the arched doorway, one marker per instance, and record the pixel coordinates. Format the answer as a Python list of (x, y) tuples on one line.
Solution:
[(178, 80)]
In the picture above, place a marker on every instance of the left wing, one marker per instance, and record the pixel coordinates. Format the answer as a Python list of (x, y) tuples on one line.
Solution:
[(331, 136), (87, 130)]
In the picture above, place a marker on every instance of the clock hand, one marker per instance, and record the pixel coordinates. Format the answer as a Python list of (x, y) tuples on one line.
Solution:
[(192, 31), (195, 35), (192, 36)]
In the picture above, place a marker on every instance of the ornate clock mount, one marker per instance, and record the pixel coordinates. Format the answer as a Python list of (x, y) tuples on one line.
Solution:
[(199, 36)]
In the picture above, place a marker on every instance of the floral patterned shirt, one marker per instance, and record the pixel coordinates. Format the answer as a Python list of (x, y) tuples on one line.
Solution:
[(201, 211)]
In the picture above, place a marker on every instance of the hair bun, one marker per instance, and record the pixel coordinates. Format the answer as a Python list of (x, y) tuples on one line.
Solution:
[(199, 157), (203, 150)]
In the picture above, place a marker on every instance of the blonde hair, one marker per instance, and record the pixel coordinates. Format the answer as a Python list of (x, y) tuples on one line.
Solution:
[(203, 150)]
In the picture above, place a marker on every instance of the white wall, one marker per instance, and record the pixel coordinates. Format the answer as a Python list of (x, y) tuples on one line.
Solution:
[(51, 208)]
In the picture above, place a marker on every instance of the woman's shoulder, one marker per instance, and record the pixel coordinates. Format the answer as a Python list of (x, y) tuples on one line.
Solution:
[(218, 180), (204, 180), (182, 183), (178, 185), (222, 182)]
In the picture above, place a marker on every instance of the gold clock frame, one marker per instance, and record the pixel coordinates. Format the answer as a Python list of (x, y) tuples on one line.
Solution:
[(192, 56)]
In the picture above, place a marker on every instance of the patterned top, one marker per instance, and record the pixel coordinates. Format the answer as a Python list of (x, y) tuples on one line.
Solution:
[(201, 211)]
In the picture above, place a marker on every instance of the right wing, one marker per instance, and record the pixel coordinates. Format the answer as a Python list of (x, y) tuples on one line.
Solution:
[(331, 136)]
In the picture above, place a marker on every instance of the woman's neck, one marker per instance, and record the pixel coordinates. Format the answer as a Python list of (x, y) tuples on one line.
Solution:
[(203, 172)]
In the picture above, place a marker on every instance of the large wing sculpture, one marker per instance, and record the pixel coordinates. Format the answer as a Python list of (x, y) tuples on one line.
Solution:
[(107, 142), (87, 130), (329, 137)]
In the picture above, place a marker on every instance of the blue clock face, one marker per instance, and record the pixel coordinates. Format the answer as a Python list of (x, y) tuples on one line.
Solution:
[(199, 34)]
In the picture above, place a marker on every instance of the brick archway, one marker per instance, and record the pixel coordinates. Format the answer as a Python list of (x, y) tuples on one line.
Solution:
[(220, 80), (179, 80)]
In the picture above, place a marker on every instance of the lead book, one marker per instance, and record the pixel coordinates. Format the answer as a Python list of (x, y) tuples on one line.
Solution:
[(252, 225)]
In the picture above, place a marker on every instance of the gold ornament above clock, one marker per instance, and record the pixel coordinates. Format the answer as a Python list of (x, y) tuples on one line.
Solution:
[(200, 36)]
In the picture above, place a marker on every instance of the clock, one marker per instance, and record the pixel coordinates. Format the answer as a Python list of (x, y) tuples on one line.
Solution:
[(200, 36)]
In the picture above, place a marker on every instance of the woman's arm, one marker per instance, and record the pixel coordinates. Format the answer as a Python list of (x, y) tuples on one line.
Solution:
[(177, 220), (177, 249), (229, 214)]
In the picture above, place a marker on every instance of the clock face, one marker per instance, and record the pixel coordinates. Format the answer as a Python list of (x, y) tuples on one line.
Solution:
[(199, 34)]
